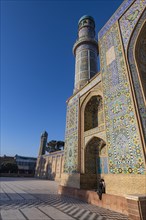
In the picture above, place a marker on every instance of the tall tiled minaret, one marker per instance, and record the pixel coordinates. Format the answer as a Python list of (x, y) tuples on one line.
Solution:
[(85, 50), (43, 143)]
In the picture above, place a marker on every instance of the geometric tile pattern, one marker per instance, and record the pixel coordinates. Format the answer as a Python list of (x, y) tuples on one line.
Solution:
[(71, 137), (129, 20), (124, 149), (141, 51), (125, 154), (71, 133), (122, 8)]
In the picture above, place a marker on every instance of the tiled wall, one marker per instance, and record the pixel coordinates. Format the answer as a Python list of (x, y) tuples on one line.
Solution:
[(124, 148)]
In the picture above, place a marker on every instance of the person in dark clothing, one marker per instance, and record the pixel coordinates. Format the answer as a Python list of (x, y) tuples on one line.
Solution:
[(101, 188)]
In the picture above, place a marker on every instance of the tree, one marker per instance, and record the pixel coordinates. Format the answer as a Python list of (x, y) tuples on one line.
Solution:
[(8, 168), (54, 145)]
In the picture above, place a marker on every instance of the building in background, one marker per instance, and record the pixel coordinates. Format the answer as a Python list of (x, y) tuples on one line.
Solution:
[(7, 159), (8, 165), (18, 165), (26, 165)]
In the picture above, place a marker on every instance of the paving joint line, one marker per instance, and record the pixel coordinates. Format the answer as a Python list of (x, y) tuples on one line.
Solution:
[(23, 214), (44, 213)]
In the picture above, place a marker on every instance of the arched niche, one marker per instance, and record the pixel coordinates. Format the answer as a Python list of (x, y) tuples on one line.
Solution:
[(93, 113), (140, 57), (95, 163), (95, 156), (136, 55)]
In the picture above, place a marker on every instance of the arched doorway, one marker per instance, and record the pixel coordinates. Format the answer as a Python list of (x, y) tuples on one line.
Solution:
[(140, 55), (136, 54), (94, 161)]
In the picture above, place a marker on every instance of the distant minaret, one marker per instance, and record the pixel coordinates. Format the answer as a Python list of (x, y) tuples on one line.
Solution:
[(43, 143), (85, 50)]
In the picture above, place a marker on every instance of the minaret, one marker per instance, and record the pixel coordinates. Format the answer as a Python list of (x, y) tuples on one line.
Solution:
[(85, 50), (43, 143)]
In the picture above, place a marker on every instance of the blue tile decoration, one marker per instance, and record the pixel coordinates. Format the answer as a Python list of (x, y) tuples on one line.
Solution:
[(99, 166), (134, 74), (105, 164), (115, 17), (125, 155), (102, 165), (71, 133), (128, 21), (71, 137)]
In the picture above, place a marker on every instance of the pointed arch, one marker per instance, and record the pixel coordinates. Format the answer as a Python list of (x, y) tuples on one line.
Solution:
[(83, 131), (95, 162), (95, 151), (136, 55), (93, 113), (140, 57)]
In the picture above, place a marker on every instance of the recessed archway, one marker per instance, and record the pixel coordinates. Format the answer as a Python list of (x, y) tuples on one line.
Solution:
[(136, 54), (140, 55), (94, 159), (93, 113)]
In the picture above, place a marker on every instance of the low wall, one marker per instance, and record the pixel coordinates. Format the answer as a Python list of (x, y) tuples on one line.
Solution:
[(50, 166), (132, 205), (136, 207), (112, 202)]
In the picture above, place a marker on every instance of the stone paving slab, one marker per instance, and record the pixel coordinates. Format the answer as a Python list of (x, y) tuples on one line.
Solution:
[(34, 213), (3, 196), (55, 214), (34, 199), (12, 215)]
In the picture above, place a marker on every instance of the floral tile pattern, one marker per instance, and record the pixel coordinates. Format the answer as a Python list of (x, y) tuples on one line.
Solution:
[(71, 139), (124, 149)]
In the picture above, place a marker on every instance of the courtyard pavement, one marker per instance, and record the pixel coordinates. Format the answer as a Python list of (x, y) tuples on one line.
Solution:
[(34, 199)]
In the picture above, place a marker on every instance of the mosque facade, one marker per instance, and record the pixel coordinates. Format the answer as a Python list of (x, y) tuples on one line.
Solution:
[(105, 126), (106, 115)]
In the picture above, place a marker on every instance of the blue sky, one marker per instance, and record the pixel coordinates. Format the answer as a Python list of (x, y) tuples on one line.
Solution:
[(37, 67)]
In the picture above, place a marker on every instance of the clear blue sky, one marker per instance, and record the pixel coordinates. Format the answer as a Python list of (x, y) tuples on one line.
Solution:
[(37, 67)]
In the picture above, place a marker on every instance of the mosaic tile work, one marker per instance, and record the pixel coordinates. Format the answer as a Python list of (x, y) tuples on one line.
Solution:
[(142, 52), (129, 20), (102, 167), (71, 134), (124, 151), (71, 139), (115, 17)]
